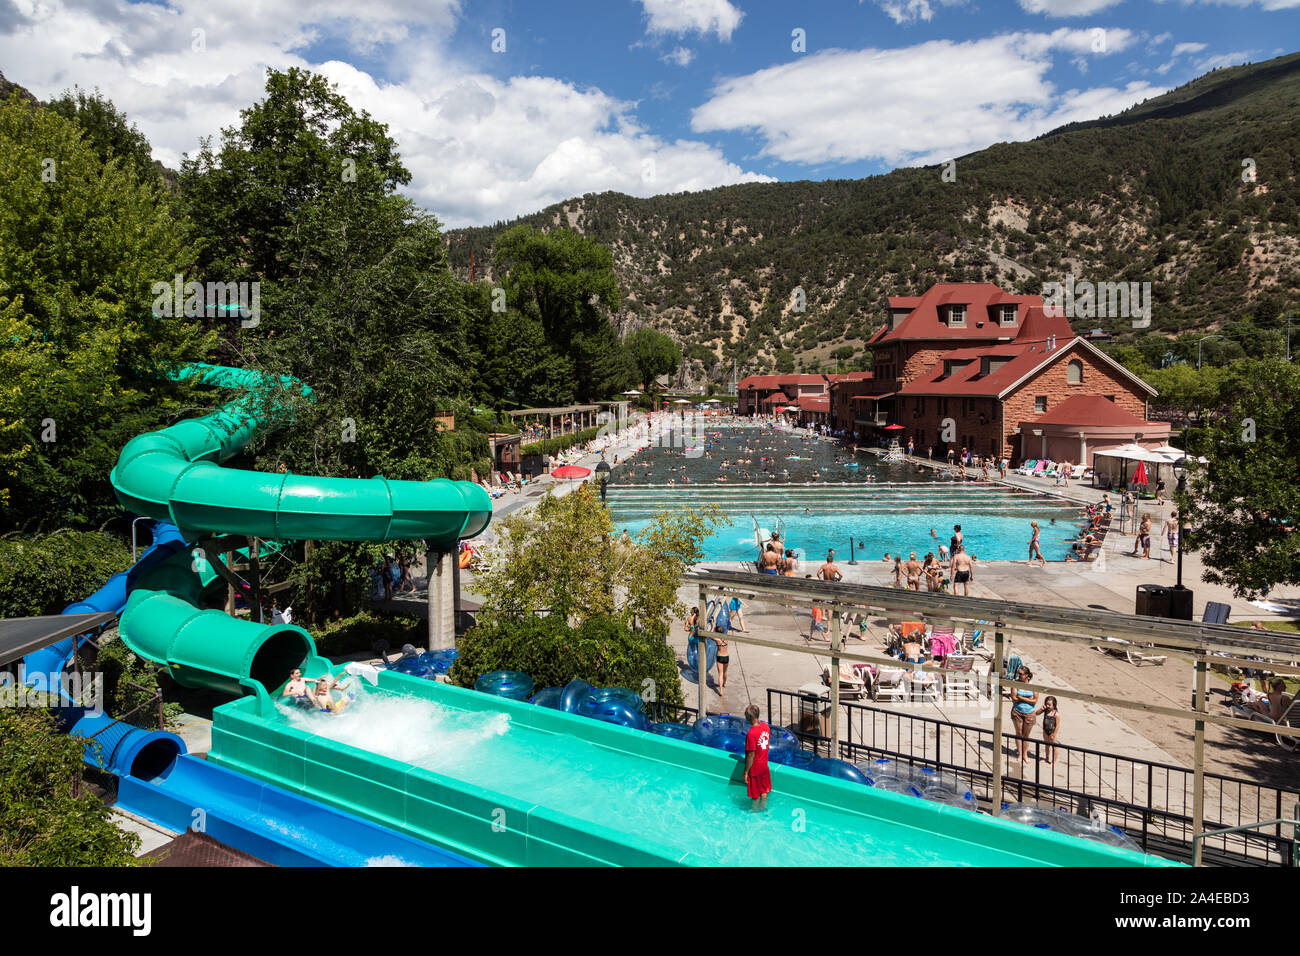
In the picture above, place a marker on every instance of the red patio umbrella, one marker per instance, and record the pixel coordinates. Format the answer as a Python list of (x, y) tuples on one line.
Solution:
[(1140, 474), (571, 471), (890, 428)]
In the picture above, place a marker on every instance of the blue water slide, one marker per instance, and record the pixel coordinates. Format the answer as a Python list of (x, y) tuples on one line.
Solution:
[(269, 822)]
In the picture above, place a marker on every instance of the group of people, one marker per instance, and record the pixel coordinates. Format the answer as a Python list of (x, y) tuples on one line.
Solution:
[(1025, 712), (961, 566), (315, 691)]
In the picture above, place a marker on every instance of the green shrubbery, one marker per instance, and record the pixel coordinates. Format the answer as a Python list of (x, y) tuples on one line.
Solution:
[(360, 631), (44, 821), (602, 651), (43, 575), (130, 682), (549, 446)]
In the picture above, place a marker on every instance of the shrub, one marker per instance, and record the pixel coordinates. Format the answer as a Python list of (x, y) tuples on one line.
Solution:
[(549, 446), (43, 575), (602, 651), (42, 822), (129, 682), (359, 633)]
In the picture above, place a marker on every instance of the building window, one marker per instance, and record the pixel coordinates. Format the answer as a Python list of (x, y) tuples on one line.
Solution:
[(1008, 315), (957, 315), (1074, 372), (1040, 403)]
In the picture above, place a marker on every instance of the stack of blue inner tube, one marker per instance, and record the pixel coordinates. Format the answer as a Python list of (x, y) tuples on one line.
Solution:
[(428, 665)]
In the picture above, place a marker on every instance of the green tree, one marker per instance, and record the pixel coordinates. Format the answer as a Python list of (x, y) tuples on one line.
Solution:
[(82, 242), (561, 557), (567, 283), (44, 820), (106, 129), (356, 296), (655, 354), (1244, 501)]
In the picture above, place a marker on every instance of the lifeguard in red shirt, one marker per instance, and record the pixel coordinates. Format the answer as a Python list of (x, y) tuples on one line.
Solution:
[(757, 777)]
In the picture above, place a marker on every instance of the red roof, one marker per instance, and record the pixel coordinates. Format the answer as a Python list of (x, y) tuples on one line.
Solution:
[(777, 399), (967, 380), (980, 298), (809, 404), (1088, 410), (850, 377), (779, 381)]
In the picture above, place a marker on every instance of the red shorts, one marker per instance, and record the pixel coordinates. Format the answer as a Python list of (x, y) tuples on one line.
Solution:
[(759, 783)]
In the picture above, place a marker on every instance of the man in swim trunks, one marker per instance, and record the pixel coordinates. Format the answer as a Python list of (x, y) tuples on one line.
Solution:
[(1171, 532), (770, 560), (297, 686), (913, 571), (828, 571), (961, 571), (758, 779)]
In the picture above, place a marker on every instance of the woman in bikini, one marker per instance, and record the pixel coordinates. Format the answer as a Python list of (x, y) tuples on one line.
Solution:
[(1034, 548)]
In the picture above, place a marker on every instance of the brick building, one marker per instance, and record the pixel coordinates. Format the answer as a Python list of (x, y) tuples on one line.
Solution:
[(971, 366), (759, 394)]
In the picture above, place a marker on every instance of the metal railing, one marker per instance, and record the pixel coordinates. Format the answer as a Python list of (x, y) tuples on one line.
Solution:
[(1151, 801)]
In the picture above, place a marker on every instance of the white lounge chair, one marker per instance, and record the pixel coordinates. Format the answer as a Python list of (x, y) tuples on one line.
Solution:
[(888, 684), (959, 675), (851, 685)]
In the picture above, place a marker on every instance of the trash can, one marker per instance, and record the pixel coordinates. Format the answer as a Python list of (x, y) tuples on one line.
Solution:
[(1180, 603), (815, 710), (1153, 600)]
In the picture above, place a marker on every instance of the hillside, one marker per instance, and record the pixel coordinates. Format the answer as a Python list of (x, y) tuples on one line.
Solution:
[(1154, 194)]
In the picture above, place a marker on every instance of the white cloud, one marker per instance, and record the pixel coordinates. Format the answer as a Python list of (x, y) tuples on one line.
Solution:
[(1066, 8), (914, 105), (910, 11), (1182, 48), (1270, 5), (479, 148), (681, 56), (679, 17)]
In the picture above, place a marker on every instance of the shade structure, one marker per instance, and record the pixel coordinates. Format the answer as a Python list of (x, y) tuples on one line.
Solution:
[(893, 428), (1134, 452), (682, 401), (715, 401), (631, 391), (571, 471)]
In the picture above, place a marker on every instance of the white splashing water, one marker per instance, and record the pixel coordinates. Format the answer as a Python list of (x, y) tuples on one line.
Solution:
[(406, 729), (387, 860)]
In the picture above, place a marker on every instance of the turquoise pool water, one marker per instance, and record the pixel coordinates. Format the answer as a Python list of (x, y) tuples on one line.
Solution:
[(824, 503)]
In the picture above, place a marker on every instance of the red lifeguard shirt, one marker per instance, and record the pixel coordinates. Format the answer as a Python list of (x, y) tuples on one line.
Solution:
[(756, 740)]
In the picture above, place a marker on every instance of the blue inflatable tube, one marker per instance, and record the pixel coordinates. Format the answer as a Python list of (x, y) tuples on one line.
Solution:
[(615, 705), (548, 697), (693, 654), (841, 770), (675, 731), (799, 759), (709, 725), (728, 740), (574, 693), (515, 685), (782, 739)]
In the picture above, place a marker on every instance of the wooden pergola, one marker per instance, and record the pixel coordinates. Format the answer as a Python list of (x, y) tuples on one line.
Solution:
[(1202, 643), (582, 416)]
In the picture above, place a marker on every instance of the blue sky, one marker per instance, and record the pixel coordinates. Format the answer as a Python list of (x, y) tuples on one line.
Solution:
[(503, 106)]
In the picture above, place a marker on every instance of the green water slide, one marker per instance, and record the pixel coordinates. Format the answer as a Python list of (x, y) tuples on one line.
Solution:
[(175, 474)]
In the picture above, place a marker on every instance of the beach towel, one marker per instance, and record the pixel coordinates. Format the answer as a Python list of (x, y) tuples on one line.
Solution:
[(941, 645)]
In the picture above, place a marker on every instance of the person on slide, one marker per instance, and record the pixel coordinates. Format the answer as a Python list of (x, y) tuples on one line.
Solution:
[(325, 701), (296, 689)]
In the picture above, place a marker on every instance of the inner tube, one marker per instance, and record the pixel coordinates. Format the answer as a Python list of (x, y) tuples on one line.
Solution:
[(693, 654), (707, 726), (515, 685), (574, 692), (732, 743), (615, 705), (548, 697), (799, 759), (669, 729), (840, 769), (782, 739)]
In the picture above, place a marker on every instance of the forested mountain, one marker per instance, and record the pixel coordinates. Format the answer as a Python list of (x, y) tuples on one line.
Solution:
[(1194, 191)]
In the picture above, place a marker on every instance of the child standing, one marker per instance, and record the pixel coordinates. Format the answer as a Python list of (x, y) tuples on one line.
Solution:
[(1051, 727)]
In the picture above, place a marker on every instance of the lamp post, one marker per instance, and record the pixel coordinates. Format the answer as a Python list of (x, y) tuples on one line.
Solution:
[(1180, 601), (602, 475), (1198, 348)]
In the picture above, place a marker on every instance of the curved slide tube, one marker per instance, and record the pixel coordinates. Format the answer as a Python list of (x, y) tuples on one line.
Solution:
[(175, 474), (115, 746)]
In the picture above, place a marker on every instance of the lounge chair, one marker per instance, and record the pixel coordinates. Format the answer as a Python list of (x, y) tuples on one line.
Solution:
[(1041, 469), (1078, 470), (1027, 468), (959, 675), (852, 684), (888, 684), (1128, 650)]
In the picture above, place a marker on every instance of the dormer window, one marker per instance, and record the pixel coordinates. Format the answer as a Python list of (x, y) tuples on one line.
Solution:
[(957, 316), (988, 364), (1007, 315), (954, 365)]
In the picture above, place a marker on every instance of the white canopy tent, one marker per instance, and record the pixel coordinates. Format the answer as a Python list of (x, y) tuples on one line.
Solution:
[(1120, 463)]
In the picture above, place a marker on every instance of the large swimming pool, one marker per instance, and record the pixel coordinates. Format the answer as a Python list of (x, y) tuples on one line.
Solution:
[(826, 497)]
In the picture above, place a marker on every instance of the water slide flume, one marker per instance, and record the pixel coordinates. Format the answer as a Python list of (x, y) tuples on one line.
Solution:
[(175, 474)]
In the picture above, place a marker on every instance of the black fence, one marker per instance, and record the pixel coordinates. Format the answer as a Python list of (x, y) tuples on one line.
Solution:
[(1152, 802)]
